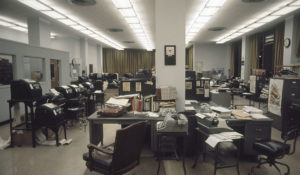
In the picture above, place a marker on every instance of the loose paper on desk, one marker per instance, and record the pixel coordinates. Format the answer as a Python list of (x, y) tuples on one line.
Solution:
[(213, 140), (200, 115), (189, 108), (187, 102), (98, 92), (258, 116), (120, 102), (127, 96), (153, 114)]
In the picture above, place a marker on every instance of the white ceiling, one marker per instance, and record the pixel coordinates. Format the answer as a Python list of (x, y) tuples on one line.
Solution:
[(104, 15)]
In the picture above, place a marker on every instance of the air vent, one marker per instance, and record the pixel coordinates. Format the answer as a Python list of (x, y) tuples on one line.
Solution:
[(129, 42), (115, 30), (83, 2), (215, 29), (250, 1)]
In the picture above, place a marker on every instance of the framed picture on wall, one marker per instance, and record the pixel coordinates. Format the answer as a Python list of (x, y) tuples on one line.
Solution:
[(170, 55)]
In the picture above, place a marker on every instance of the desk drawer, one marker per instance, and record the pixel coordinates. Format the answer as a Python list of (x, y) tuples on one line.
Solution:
[(255, 132)]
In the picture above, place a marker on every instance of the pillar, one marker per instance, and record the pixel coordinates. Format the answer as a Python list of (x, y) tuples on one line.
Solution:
[(84, 47), (245, 58), (99, 58), (170, 30), (38, 32)]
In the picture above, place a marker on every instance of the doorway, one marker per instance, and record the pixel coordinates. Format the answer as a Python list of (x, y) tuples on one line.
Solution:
[(54, 71)]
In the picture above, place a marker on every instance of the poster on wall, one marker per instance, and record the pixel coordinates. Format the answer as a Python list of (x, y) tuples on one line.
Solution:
[(275, 96), (188, 85), (253, 84), (126, 86)]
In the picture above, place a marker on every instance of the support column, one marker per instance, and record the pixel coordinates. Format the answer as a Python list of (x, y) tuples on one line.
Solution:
[(290, 31), (99, 58), (38, 32), (245, 58), (84, 47), (170, 30), (194, 57)]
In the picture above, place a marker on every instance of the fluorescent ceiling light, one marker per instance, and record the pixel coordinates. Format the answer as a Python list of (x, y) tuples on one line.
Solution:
[(122, 3), (285, 10), (268, 19), (67, 22), (215, 3), (132, 20), (194, 30), (245, 30), (255, 25), (136, 26), (53, 14), (88, 32), (19, 28), (6, 24), (34, 4), (78, 27), (127, 12), (93, 35), (203, 19), (209, 11), (138, 31)]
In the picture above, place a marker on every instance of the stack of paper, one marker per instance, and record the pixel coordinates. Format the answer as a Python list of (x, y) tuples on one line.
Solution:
[(119, 102), (189, 108), (258, 116), (200, 115), (214, 139), (252, 110), (153, 114), (223, 112)]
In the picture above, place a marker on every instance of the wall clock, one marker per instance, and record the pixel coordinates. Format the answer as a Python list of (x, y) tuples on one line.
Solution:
[(287, 42), (170, 55)]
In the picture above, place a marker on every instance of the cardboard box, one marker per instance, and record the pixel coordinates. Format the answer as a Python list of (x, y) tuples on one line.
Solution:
[(22, 138)]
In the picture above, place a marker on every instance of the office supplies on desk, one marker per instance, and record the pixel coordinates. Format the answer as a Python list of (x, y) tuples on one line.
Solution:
[(173, 123)]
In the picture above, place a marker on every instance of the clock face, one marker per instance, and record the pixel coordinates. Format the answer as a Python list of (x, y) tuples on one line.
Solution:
[(287, 42), (170, 51)]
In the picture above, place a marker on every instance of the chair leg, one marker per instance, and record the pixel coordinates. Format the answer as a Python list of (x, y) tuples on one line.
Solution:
[(56, 135), (283, 164), (261, 161), (65, 131)]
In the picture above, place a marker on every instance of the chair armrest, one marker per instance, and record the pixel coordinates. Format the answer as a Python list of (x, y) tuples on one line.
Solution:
[(91, 147)]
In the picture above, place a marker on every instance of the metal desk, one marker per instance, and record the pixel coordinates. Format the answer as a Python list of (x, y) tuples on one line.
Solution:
[(96, 125)]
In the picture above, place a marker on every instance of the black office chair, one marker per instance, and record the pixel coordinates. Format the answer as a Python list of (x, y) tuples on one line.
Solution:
[(275, 150), (120, 157)]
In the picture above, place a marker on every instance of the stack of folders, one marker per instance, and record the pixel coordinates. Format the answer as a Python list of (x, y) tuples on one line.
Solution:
[(214, 139), (221, 111)]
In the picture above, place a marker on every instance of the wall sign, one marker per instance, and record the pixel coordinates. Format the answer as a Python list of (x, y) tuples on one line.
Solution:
[(170, 55)]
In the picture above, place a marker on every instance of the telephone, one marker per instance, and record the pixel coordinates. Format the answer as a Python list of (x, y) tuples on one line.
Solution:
[(173, 123)]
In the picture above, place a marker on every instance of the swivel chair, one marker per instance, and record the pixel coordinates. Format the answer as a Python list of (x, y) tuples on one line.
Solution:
[(120, 157), (275, 150)]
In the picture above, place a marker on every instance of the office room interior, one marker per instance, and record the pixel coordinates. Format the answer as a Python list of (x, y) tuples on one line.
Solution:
[(144, 87)]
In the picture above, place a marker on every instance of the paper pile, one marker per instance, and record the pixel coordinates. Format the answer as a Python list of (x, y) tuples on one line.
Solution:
[(252, 110), (214, 139), (258, 116)]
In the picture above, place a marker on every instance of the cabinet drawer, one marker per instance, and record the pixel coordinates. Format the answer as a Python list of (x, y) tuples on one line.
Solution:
[(253, 133)]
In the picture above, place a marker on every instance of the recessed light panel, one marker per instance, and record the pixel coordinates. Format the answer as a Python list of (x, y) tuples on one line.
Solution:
[(127, 12), (54, 14)]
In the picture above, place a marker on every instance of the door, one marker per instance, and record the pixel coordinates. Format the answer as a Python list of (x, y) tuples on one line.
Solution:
[(54, 69)]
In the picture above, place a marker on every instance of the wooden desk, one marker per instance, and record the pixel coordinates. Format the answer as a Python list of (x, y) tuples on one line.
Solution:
[(96, 125)]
